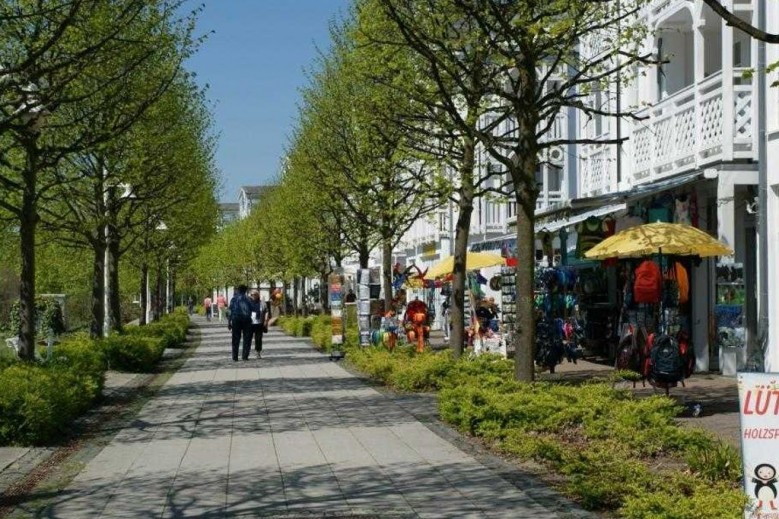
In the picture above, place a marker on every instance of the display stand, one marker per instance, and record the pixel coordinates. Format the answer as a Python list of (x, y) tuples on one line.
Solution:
[(364, 306), (508, 295), (335, 293), (729, 315)]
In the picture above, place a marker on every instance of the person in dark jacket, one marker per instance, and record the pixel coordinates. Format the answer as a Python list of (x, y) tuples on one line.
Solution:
[(260, 318), (240, 322)]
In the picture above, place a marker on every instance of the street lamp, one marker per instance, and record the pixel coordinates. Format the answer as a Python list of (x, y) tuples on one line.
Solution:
[(108, 259), (162, 228)]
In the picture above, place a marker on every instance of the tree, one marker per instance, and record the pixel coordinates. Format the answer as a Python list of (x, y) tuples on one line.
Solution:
[(134, 119), (47, 49), (452, 95), (545, 58), (740, 24)]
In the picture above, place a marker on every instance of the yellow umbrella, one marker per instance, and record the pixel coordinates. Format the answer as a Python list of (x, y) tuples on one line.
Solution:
[(473, 261), (673, 239)]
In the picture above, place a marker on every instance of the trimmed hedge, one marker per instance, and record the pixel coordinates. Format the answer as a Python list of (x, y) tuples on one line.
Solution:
[(319, 328), (136, 354), (39, 401)]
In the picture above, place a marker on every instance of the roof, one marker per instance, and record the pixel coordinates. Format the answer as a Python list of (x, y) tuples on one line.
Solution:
[(255, 192)]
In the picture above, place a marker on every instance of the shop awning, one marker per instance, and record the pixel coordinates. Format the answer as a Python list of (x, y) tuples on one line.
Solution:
[(556, 225), (579, 209)]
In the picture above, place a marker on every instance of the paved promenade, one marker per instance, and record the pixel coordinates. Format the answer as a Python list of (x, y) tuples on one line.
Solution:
[(290, 435)]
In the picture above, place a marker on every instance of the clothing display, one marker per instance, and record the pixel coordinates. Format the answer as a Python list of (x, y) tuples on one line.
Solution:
[(682, 210), (589, 233)]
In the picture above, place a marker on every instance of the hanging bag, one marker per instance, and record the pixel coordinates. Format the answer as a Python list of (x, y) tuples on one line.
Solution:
[(683, 282), (647, 284), (666, 360), (628, 354), (671, 297)]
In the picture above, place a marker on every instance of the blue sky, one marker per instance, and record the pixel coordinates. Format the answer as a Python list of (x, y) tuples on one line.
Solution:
[(254, 63)]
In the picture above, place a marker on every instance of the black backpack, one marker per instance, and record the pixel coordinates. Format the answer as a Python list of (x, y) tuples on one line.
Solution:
[(667, 362), (241, 306)]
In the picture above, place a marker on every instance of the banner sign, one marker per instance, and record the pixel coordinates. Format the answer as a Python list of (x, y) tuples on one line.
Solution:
[(758, 395)]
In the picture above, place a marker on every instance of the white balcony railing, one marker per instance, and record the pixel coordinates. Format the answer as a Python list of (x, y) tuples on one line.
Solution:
[(688, 130)]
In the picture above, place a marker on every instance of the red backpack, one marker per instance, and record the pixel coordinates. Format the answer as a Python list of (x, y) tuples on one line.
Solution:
[(647, 283)]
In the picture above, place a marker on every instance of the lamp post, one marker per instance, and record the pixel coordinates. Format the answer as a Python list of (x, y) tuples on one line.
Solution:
[(149, 314), (110, 274)]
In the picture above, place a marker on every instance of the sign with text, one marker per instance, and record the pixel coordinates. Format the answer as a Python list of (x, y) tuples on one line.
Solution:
[(758, 395)]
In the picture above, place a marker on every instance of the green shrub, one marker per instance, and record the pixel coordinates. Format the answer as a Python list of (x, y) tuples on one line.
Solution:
[(715, 461), (604, 474), (133, 353), (171, 329), (37, 403), (527, 445), (322, 332), (683, 496), (83, 355)]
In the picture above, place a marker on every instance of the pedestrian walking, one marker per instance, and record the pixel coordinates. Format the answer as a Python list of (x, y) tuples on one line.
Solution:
[(191, 305), (207, 307), (260, 317), (239, 321), (221, 306)]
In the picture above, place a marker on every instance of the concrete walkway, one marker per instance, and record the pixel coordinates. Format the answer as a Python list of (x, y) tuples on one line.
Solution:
[(290, 435)]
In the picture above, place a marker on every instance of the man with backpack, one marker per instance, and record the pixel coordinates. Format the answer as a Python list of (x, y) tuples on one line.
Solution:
[(239, 321)]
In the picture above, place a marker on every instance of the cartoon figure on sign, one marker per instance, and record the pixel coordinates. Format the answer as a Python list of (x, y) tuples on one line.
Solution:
[(765, 485)]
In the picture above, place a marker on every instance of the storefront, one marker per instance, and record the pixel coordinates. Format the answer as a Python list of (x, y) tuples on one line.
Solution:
[(718, 311)]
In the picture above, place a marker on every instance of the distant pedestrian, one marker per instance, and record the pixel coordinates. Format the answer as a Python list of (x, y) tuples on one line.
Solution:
[(260, 317), (207, 307), (240, 322), (221, 306), (350, 296), (191, 305)]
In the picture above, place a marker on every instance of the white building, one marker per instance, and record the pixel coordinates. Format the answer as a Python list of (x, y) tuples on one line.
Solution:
[(697, 142), (772, 109), (698, 139), (248, 197)]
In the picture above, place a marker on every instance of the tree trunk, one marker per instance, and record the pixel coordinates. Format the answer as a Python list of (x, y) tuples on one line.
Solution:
[(295, 296), (144, 294), (386, 273), (525, 327), (97, 302), (324, 298), (114, 301), (158, 293), (462, 232), (523, 176), (28, 221), (364, 255)]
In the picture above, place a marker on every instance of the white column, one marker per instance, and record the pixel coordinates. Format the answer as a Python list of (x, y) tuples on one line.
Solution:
[(726, 232), (728, 98), (699, 55)]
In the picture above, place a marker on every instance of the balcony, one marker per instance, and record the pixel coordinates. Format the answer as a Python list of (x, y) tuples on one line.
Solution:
[(691, 129)]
